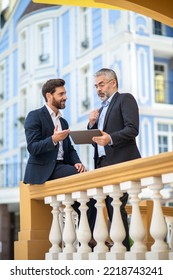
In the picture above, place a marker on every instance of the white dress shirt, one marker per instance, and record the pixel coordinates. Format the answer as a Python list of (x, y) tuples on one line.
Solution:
[(105, 105), (56, 121)]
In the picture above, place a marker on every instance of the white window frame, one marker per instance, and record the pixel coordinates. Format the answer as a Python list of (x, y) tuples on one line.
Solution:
[(40, 100), (23, 106), (2, 174), (165, 77), (84, 29), (23, 50), (168, 134), (2, 81), (2, 130), (85, 90), (46, 62)]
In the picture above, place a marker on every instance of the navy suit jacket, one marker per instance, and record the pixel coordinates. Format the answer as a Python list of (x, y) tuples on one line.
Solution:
[(122, 124), (42, 151)]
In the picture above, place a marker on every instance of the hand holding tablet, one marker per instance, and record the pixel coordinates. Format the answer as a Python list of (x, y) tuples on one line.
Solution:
[(84, 136)]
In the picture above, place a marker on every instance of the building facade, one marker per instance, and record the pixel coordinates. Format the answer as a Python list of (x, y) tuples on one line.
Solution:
[(39, 42)]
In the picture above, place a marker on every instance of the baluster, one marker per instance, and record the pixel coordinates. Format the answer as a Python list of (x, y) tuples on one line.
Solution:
[(168, 179), (61, 221), (55, 235), (169, 221), (158, 228), (75, 220), (83, 232), (100, 233), (137, 229), (69, 234), (117, 231)]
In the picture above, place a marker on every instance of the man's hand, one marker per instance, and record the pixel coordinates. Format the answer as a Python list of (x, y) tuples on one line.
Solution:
[(59, 135), (103, 140), (80, 167), (93, 116)]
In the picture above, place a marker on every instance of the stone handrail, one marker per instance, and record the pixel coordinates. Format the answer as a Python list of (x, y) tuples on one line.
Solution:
[(36, 218)]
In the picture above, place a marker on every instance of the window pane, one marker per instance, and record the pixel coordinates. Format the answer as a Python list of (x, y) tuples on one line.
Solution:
[(163, 144), (163, 127), (157, 27)]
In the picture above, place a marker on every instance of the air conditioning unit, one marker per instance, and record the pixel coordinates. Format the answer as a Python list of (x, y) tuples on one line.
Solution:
[(23, 65), (21, 119), (1, 95), (171, 63), (85, 43), (86, 103), (44, 57)]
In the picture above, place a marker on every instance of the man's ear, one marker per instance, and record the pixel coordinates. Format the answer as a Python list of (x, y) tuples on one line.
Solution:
[(48, 95)]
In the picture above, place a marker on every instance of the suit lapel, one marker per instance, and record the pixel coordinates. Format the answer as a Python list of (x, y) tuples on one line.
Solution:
[(111, 105), (48, 118)]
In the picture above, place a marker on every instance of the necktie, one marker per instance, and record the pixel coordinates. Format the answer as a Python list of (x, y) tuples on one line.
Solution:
[(105, 103)]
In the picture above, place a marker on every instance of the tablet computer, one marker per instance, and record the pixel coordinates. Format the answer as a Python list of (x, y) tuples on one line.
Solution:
[(84, 136)]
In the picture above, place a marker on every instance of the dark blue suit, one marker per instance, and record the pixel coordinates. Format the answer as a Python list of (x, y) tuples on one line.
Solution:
[(42, 151), (122, 124)]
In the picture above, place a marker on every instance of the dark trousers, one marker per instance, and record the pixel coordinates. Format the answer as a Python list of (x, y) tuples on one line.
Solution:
[(101, 162)]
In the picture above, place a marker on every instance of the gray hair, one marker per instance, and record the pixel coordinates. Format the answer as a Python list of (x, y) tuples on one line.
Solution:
[(108, 73)]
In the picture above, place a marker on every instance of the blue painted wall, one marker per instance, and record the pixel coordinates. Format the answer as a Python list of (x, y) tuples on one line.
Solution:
[(65, 39), (114, 16), (15, 73), (18, 13), (15, 128), (96, 27), (4, 42), (66, 111), (97, 65)]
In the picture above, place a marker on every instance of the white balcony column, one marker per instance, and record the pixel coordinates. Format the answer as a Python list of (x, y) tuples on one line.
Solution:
[(100, 233), (83, 232), (167, 178), (117, 230), (169, 221), (158, 228), (69, 233), (61, 220), (137, 229), (55, 235)]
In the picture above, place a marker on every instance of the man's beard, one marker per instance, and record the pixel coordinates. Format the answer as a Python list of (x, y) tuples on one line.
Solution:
[(58, 104), (104, 97)]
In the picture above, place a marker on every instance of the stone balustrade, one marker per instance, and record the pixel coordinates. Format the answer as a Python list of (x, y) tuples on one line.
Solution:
[(50, 230)]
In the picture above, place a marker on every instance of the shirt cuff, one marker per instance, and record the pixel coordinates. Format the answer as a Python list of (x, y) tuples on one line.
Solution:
[(111, 142)]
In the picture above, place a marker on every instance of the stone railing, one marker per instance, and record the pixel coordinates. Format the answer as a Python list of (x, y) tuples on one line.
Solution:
[(49, 230)]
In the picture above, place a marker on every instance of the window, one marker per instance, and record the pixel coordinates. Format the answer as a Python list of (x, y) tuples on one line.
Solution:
[(23, 160), (85, 153), (44, 44), (85, 89), (1, 175), (2, 82), (23, 51), (157, 27), (165, 137), (23, 107), (40, 99), (162, 86), (85, 24), (2, 131)]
